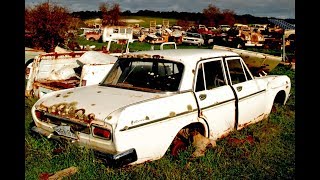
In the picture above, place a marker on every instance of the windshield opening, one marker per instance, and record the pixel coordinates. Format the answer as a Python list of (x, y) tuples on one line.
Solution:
[(152, 75)]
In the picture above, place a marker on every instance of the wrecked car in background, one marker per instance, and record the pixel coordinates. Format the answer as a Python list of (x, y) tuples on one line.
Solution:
[(154, 101), (64, 68), (259, 63), (29, 55), (57, 71)]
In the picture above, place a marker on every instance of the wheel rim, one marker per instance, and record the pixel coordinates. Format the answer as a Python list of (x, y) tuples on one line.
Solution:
[(177, 147)]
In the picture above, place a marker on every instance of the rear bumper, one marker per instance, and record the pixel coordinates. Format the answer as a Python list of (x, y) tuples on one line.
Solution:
[(118, 159)]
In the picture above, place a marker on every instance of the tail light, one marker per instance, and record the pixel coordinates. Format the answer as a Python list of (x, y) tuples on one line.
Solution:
[(39, 114), (100, 132)]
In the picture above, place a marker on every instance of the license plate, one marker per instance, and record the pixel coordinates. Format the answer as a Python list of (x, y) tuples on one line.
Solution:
[(65, 131)]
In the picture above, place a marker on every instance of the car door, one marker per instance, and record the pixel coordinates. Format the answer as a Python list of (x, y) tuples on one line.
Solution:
[(250, 95), (215, 97)]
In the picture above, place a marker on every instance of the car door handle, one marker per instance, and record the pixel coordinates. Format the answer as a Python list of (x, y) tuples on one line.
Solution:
[(239, 88), (202, 96)]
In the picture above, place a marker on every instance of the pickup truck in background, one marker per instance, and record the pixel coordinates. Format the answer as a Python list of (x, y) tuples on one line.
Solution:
[(154, 101)]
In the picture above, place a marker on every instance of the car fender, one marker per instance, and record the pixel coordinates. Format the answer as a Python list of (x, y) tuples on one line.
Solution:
[(135, 122)]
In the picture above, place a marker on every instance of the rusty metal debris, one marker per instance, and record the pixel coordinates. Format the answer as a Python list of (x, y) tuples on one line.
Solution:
[(236, 141), (59, 175), (201, 144)]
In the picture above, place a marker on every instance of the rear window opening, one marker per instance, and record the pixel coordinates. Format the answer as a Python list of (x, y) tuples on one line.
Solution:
[(153, 75)]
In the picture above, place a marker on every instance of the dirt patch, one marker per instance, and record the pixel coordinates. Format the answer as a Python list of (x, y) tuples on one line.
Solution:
[(235, 141)]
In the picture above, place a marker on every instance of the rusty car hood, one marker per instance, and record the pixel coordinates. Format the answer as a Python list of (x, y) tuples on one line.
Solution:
[(256, 61), (99, 100)]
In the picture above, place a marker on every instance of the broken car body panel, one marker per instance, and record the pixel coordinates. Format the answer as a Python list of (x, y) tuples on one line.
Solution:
[(162, 95), (256, 61), (56, 71)]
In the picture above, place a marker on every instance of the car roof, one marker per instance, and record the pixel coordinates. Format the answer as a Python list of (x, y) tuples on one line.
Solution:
[(188, 55)]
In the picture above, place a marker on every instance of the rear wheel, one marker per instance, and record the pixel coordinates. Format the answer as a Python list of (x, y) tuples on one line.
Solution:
[(184, 138), (177, 146)]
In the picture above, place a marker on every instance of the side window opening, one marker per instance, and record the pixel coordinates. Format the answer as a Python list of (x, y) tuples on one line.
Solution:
[(200, 79), (213, 74), (236, 71), (247, 73)]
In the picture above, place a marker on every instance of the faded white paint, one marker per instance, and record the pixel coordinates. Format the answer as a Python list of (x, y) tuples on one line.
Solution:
[(60, 67), (117, 32), (148, 121)]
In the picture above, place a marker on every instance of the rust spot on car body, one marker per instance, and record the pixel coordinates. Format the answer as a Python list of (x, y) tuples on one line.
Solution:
[(42, 107), (172, 114), (91, 116), (68, 111), (157, 57), (58, 84), (189, 107), (243, 125), (227, 132)]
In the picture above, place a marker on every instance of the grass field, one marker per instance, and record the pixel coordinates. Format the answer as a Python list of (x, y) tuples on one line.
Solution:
[(143, 21), (135, 46), (139, 46), (271, 155)]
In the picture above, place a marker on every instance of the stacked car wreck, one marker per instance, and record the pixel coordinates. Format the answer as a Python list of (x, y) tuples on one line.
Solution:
[(167, 97)]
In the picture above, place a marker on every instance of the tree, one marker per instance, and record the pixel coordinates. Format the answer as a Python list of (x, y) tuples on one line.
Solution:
[(110, 14), (48, 24), (212, 14), (183, 23), (228, 17), (215, 17)]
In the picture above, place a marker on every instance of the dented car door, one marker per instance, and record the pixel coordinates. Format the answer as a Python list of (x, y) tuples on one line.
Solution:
[(249, 93), (215, 97)]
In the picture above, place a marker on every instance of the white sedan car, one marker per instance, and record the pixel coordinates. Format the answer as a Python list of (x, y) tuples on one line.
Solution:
[(154, 101), (193, 39)]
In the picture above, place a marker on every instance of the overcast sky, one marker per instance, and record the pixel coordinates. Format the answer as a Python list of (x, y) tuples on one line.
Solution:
[(261, 8)]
